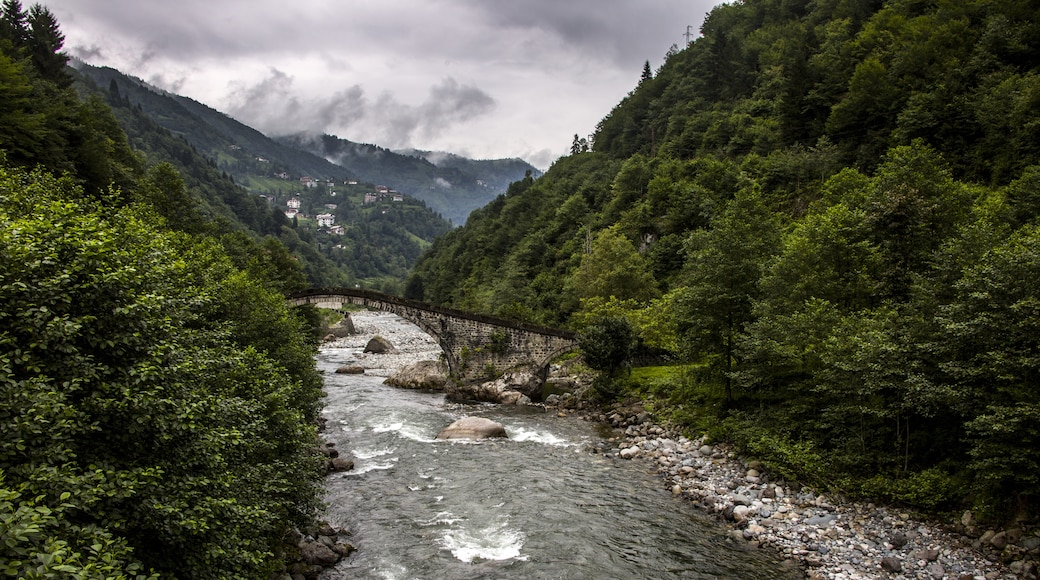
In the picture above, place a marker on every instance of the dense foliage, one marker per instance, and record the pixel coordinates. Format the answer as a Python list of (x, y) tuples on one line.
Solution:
[(827, 211), (159, 396)]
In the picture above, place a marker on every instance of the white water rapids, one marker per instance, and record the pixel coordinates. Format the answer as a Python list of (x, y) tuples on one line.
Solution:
[(540, 504)]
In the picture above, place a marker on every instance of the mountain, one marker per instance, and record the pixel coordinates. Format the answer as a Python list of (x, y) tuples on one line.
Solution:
[(452, 185), (249, 156), (256, 161), (827, 214), (239, 175)]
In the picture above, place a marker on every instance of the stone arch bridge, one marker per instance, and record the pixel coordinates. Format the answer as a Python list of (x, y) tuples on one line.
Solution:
[(478, 348)]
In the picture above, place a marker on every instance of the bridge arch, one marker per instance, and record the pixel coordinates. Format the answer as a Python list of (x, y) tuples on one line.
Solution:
[(477, 347)]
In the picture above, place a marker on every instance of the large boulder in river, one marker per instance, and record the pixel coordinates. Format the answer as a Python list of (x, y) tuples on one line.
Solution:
[(426, 374), (380, 345), (473, 428), (344, 327)]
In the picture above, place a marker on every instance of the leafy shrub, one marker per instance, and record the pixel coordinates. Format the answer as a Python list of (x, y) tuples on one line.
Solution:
[(931, 489)]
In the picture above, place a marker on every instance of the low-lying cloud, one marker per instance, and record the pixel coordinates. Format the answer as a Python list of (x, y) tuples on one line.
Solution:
[(276, 107)]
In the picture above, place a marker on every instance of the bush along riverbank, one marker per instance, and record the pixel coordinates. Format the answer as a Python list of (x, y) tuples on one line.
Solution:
[(828, 537)]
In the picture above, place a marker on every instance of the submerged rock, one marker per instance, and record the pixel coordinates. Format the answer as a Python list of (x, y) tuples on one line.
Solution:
[(473, 428)]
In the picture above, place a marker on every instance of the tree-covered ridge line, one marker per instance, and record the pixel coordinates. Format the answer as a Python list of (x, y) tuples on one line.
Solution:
[(450, 185), (826, 211), (377, 249), (160, 401), (454, 186)]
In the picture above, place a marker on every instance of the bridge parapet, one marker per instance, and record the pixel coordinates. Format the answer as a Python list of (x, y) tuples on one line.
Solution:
[(477, 347)]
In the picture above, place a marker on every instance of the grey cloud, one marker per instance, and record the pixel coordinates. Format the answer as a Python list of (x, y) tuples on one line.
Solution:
[(620, 31), (449, 103), (89, 53), (166, 82), (274, 107), (396, 124)]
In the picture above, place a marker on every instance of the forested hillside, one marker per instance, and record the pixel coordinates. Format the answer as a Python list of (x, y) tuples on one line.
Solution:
[(452, 185), (159, 398), (825, 213), (240, 176)]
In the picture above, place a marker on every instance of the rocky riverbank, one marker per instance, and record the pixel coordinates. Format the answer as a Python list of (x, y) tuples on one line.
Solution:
[(827, 537)]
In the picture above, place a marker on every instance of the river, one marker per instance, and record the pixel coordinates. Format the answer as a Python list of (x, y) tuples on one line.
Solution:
[(540, 504)]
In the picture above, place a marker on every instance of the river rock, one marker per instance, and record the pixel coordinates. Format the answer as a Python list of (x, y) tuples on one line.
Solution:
[(343, 328), (927, 555), (473, 428), (426, 374), (517, 386), (740, 512), (314, 553), (350, 370), (380, 345), (629, 452), (337, 464)]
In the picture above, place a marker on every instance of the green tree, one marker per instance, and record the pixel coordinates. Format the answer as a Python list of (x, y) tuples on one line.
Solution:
[(721, 278), (45, 46), (613, 267), (647, 75), (992, 358), (158, 399), (14, 27), (607, 345)]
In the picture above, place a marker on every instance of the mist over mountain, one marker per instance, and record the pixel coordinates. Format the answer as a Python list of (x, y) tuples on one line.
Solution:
[(452, 185), (262, 164)]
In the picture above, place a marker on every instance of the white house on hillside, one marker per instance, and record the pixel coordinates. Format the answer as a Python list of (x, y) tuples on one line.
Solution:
[(325, 220)]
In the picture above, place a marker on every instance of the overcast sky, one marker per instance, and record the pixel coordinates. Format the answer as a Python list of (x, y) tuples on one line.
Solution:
[(480, 78)]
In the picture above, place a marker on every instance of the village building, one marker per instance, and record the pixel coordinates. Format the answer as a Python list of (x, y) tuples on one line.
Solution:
[(325, 220), (293, 203)]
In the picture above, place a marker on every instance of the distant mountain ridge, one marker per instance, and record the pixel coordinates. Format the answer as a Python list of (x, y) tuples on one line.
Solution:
[(255, 160), (450, 184)]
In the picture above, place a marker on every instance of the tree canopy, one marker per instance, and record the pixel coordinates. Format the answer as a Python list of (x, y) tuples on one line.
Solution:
[(160, 398)]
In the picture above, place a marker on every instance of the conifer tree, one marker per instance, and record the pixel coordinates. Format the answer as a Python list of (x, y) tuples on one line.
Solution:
[(14, 26), (45, 43)]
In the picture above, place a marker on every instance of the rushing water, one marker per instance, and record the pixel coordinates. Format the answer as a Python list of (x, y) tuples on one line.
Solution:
[(540, 504)]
